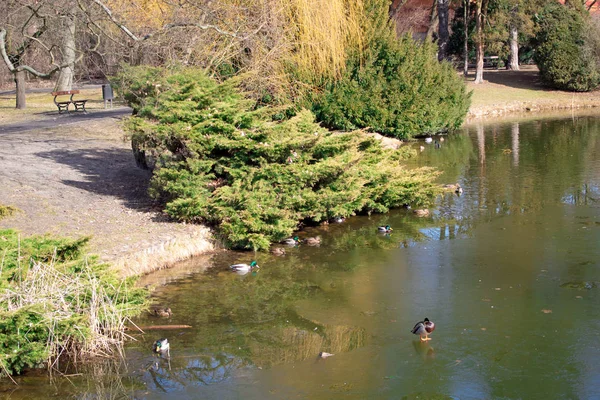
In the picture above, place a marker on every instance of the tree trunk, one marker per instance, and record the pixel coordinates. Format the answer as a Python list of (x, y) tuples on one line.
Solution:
[(65, 76), (481, 5), (443, 34), (20, 89), (514, 49), (433, 20), (466, 38)]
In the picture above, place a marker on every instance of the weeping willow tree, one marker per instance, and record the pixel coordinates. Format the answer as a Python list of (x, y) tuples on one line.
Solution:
[(279, 45), (321, 35)]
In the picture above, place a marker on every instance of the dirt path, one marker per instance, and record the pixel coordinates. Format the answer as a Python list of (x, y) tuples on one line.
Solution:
[(75, 176)]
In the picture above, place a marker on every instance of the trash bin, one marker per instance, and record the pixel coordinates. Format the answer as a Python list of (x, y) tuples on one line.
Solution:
[(107, 94)]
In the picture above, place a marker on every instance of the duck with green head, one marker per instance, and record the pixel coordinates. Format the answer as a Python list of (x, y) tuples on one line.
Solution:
[(162, 346), (244, 268), (385, 229), (291, 241), (424, 329)]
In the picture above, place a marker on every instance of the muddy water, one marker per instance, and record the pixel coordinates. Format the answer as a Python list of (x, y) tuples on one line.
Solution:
[(509, 271)]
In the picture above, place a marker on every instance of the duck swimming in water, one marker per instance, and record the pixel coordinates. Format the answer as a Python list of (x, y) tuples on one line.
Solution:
[(313, 241), (424, 329), (454, 186), (278, 251), (385, 229), (291, 241), (162, 312), (244, 268), (421, 212)]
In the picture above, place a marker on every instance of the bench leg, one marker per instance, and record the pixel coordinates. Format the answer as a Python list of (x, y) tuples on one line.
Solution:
[(62, 108), (80, 106)]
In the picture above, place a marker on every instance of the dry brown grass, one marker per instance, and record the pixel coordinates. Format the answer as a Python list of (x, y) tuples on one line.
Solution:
[(165, 254), (60, 296), (41, 105)]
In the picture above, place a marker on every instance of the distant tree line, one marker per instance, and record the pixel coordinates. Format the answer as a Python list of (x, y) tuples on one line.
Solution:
[(560, 37)]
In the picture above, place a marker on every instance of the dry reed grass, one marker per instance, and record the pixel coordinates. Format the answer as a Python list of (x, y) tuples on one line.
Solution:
[(100, 317)]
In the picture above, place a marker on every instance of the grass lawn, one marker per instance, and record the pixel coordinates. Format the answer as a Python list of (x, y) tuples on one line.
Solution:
[(41, 105), (510, 91)]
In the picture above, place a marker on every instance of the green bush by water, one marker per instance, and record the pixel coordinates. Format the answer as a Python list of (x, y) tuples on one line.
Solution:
[(400, 90), (564, 55), (252, 172), (57, 301)]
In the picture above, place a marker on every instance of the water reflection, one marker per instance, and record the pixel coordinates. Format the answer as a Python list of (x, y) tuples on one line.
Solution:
[(486, 266)]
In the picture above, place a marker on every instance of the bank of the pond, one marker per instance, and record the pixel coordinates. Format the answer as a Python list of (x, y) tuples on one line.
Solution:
[(77, 178), (511, 92)]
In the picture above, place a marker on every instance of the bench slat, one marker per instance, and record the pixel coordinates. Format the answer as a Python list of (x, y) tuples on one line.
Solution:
[(65, 92)]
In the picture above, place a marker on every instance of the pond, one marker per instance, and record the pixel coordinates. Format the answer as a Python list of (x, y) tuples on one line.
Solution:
[(508, 271)]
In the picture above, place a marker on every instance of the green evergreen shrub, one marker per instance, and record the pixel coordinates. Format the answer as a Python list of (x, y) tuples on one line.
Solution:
[(254, 175), (563, 55), (399, 90)]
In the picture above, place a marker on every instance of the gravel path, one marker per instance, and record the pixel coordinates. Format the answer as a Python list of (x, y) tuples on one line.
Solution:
[(75, 176)]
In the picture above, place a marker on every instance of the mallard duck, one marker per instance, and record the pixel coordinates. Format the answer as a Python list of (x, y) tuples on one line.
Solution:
[(161, 346), (163, 312), (245, 268), (385, 229), (313, 241), (278, 251), (291, 241), (422, 212), (424, 328), (428, 140), (324, 354), (338, 220), (454, 186)]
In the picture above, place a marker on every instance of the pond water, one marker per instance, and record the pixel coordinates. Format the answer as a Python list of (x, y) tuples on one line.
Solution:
[(508, 272)]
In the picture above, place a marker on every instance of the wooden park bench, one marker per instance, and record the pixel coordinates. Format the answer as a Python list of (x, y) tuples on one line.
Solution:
[(491, 61), (64, 105)]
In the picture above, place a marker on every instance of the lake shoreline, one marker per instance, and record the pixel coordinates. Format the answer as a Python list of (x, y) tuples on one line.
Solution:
[(506, 92), (128, 230)]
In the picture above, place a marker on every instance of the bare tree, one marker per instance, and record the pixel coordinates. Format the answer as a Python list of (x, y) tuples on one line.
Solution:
[(443, 33), (433, 19), (40, 27), (466, 37), (479, 20), (514, 48)]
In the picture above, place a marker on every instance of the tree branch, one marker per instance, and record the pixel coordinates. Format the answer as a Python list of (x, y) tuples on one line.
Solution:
[(114, 20), (5, 57), (14, 70), (110, 15)]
